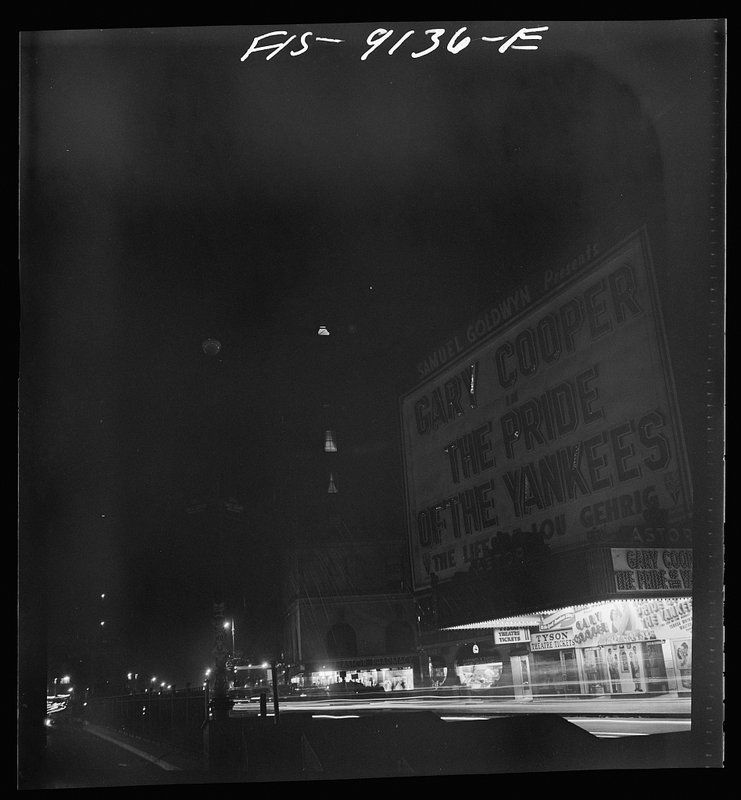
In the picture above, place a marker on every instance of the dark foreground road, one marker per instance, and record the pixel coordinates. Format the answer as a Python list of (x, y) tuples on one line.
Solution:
[(313, 747), (81, 756)]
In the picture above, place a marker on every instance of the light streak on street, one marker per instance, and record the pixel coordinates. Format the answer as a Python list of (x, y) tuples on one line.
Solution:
[(605, 719)]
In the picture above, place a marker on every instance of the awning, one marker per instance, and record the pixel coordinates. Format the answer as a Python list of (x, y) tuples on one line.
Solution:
[(520, 621)]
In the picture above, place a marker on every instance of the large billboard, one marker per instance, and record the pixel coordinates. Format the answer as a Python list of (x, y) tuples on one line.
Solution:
[(552, 418)]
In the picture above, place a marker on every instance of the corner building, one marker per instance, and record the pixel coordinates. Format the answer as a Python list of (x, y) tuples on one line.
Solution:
[(548, 494)]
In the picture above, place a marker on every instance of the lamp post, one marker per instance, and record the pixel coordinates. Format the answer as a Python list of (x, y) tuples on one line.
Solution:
[(220, 703), (229, 625), (212, 348)]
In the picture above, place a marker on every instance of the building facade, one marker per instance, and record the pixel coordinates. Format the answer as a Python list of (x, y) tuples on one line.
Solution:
[(349, 621), (548, 492)]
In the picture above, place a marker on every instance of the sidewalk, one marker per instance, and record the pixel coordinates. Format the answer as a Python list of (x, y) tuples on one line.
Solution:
[(79, 755), (161, 754)]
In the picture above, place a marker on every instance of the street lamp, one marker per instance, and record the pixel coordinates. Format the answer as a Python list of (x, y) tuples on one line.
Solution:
[(220, 703), (229, 625)]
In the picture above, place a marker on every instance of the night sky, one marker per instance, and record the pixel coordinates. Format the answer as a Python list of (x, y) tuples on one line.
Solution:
[(171, 192)]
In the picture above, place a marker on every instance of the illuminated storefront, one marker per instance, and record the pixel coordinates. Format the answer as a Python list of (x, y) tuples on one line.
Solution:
[(342, 632), (634, 646), (490, 657), (480, 666), (383, 673), (612, 647)]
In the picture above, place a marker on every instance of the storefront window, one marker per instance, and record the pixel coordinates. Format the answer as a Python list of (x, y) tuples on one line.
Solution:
[(480, 676), (595, 670), (634, 660), (570, 672), (683, 660), (555, 672), (625, 668), (360, 680), (438, 670), (655, 668), (614, 668), (398, 679), (546, 672)]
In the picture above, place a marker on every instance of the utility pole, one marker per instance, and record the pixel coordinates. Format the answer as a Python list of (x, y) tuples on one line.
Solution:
[(274, 675), (217, 723)]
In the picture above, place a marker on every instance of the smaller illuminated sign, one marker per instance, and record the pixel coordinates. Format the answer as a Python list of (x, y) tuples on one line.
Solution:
[(511, 635)]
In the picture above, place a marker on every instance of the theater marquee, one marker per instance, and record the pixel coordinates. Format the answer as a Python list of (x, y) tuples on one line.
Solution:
[(559, 427)]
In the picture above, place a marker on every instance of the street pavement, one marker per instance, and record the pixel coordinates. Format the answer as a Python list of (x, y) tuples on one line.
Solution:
[(82, 755), (664, 705)]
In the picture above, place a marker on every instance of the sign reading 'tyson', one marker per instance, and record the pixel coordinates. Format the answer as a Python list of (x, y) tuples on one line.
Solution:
[(553, 640), (562, 421)]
